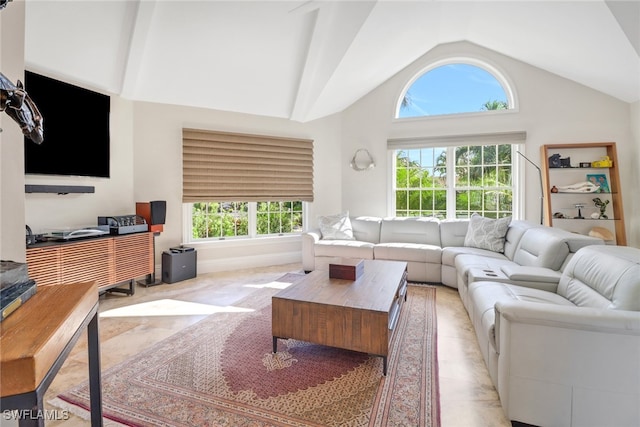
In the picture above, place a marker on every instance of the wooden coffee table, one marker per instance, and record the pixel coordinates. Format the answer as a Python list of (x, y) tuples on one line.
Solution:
[(358, 315)]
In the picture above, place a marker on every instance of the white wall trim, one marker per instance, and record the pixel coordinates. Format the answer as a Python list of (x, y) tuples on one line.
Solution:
[(237, 263)]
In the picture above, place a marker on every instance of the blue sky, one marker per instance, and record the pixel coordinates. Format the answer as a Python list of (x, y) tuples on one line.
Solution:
[(452, 88)]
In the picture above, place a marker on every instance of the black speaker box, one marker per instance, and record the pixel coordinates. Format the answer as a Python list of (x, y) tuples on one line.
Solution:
[(177, 266), (158, 211)]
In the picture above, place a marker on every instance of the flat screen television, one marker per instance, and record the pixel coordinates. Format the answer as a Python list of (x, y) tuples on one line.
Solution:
[(76, 129)]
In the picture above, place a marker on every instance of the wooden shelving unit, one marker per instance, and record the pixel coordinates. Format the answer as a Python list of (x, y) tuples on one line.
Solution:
[(560, 210)]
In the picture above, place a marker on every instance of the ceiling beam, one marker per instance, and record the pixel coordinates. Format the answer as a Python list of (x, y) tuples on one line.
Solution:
[(627, 13), (141, 22), (335, 27)]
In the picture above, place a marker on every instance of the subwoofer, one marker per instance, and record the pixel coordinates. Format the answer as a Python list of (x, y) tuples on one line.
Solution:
[(154, 213)]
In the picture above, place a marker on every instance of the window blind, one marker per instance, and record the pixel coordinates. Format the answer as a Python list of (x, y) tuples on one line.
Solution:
[(515, 137), (223, 166)]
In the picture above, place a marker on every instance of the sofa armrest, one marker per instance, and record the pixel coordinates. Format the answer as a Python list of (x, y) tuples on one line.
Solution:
[(567, 317), (542, 278), (309, 239), (531, 274), (312, 235), (564, 365)]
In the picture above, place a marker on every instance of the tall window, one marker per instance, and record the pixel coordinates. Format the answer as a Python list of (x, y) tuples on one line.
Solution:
[(454, 182), (453, 176), (454, 88)]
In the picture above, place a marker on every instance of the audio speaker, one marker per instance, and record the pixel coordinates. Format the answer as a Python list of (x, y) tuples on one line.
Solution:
[(177, 266), (154, 213)]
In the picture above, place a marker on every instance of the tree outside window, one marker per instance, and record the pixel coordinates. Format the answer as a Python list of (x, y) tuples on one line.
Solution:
[(454, 182), (279, 217), (220, 220), (453, 88)]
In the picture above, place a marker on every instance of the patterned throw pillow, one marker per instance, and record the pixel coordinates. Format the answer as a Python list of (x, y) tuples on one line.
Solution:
[(487, 233), (336, 227)]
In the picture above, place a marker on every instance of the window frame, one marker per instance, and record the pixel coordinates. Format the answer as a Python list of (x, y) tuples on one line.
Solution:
[(252, 211), (494, 70), (517, 176)]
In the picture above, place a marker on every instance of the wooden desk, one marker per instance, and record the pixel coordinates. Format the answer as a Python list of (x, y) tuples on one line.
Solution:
[(35, 341)]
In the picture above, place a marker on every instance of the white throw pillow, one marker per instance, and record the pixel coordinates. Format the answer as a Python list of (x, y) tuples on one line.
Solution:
[(336, 227), (487, 233)]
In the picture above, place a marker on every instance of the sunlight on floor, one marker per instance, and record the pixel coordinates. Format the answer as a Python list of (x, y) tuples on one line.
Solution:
[(275, 285), (170, 307)]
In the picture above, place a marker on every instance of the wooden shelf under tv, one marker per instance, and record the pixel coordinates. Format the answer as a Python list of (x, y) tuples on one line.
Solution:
[(557, 176)]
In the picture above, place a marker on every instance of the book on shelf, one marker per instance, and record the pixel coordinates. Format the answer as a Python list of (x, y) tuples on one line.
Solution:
[(12, 297), (600, 180)]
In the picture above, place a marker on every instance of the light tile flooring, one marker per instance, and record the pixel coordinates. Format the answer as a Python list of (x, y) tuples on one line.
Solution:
[(129, 324)]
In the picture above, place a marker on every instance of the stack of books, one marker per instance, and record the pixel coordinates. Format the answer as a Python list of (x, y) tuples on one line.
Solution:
[(15, 287)]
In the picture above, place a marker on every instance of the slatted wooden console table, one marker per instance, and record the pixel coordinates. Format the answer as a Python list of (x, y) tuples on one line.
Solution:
[(109, 261)]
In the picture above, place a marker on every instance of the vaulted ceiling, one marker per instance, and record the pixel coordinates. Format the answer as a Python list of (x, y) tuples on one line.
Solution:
[(304, 60)]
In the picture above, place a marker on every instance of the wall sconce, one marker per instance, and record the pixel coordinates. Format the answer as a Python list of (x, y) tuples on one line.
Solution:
[(362, 160)]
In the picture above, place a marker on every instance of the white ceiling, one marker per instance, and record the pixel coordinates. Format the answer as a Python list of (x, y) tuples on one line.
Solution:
[(304, 60)]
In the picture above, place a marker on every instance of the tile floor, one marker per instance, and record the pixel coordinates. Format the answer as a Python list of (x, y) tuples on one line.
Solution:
[(129, 324)]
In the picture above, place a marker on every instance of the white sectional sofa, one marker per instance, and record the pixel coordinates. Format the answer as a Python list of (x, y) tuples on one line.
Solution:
[(569, 357), (556, 314), (435, 250)]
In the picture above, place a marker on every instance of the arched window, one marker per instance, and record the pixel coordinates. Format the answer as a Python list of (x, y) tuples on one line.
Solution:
[(453, 88), (453, 176)]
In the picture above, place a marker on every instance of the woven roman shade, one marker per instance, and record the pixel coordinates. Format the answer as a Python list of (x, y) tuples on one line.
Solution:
[(223, 166), (515, 137)]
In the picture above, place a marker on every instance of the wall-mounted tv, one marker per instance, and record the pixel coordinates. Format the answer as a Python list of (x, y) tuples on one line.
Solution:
[(76, 129)]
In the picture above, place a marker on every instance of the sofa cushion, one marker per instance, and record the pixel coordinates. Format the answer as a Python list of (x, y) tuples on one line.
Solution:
[(484, 296), (366, 228), (336, 227), (449, 254), (408, 252), (517, 228), (464, 262), (487, 233), (344, 248), (425, 230), (541, 247), (453, 232), (602, 276)]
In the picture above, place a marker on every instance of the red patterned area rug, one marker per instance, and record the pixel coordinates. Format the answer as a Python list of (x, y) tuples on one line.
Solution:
[(221, 372)]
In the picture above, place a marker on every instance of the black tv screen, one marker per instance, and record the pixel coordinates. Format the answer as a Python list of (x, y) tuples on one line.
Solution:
[(76, 129)]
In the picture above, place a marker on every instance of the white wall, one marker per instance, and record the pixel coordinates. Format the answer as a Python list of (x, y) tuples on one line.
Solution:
[(158, 176), (12, 209), (551, 110)]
